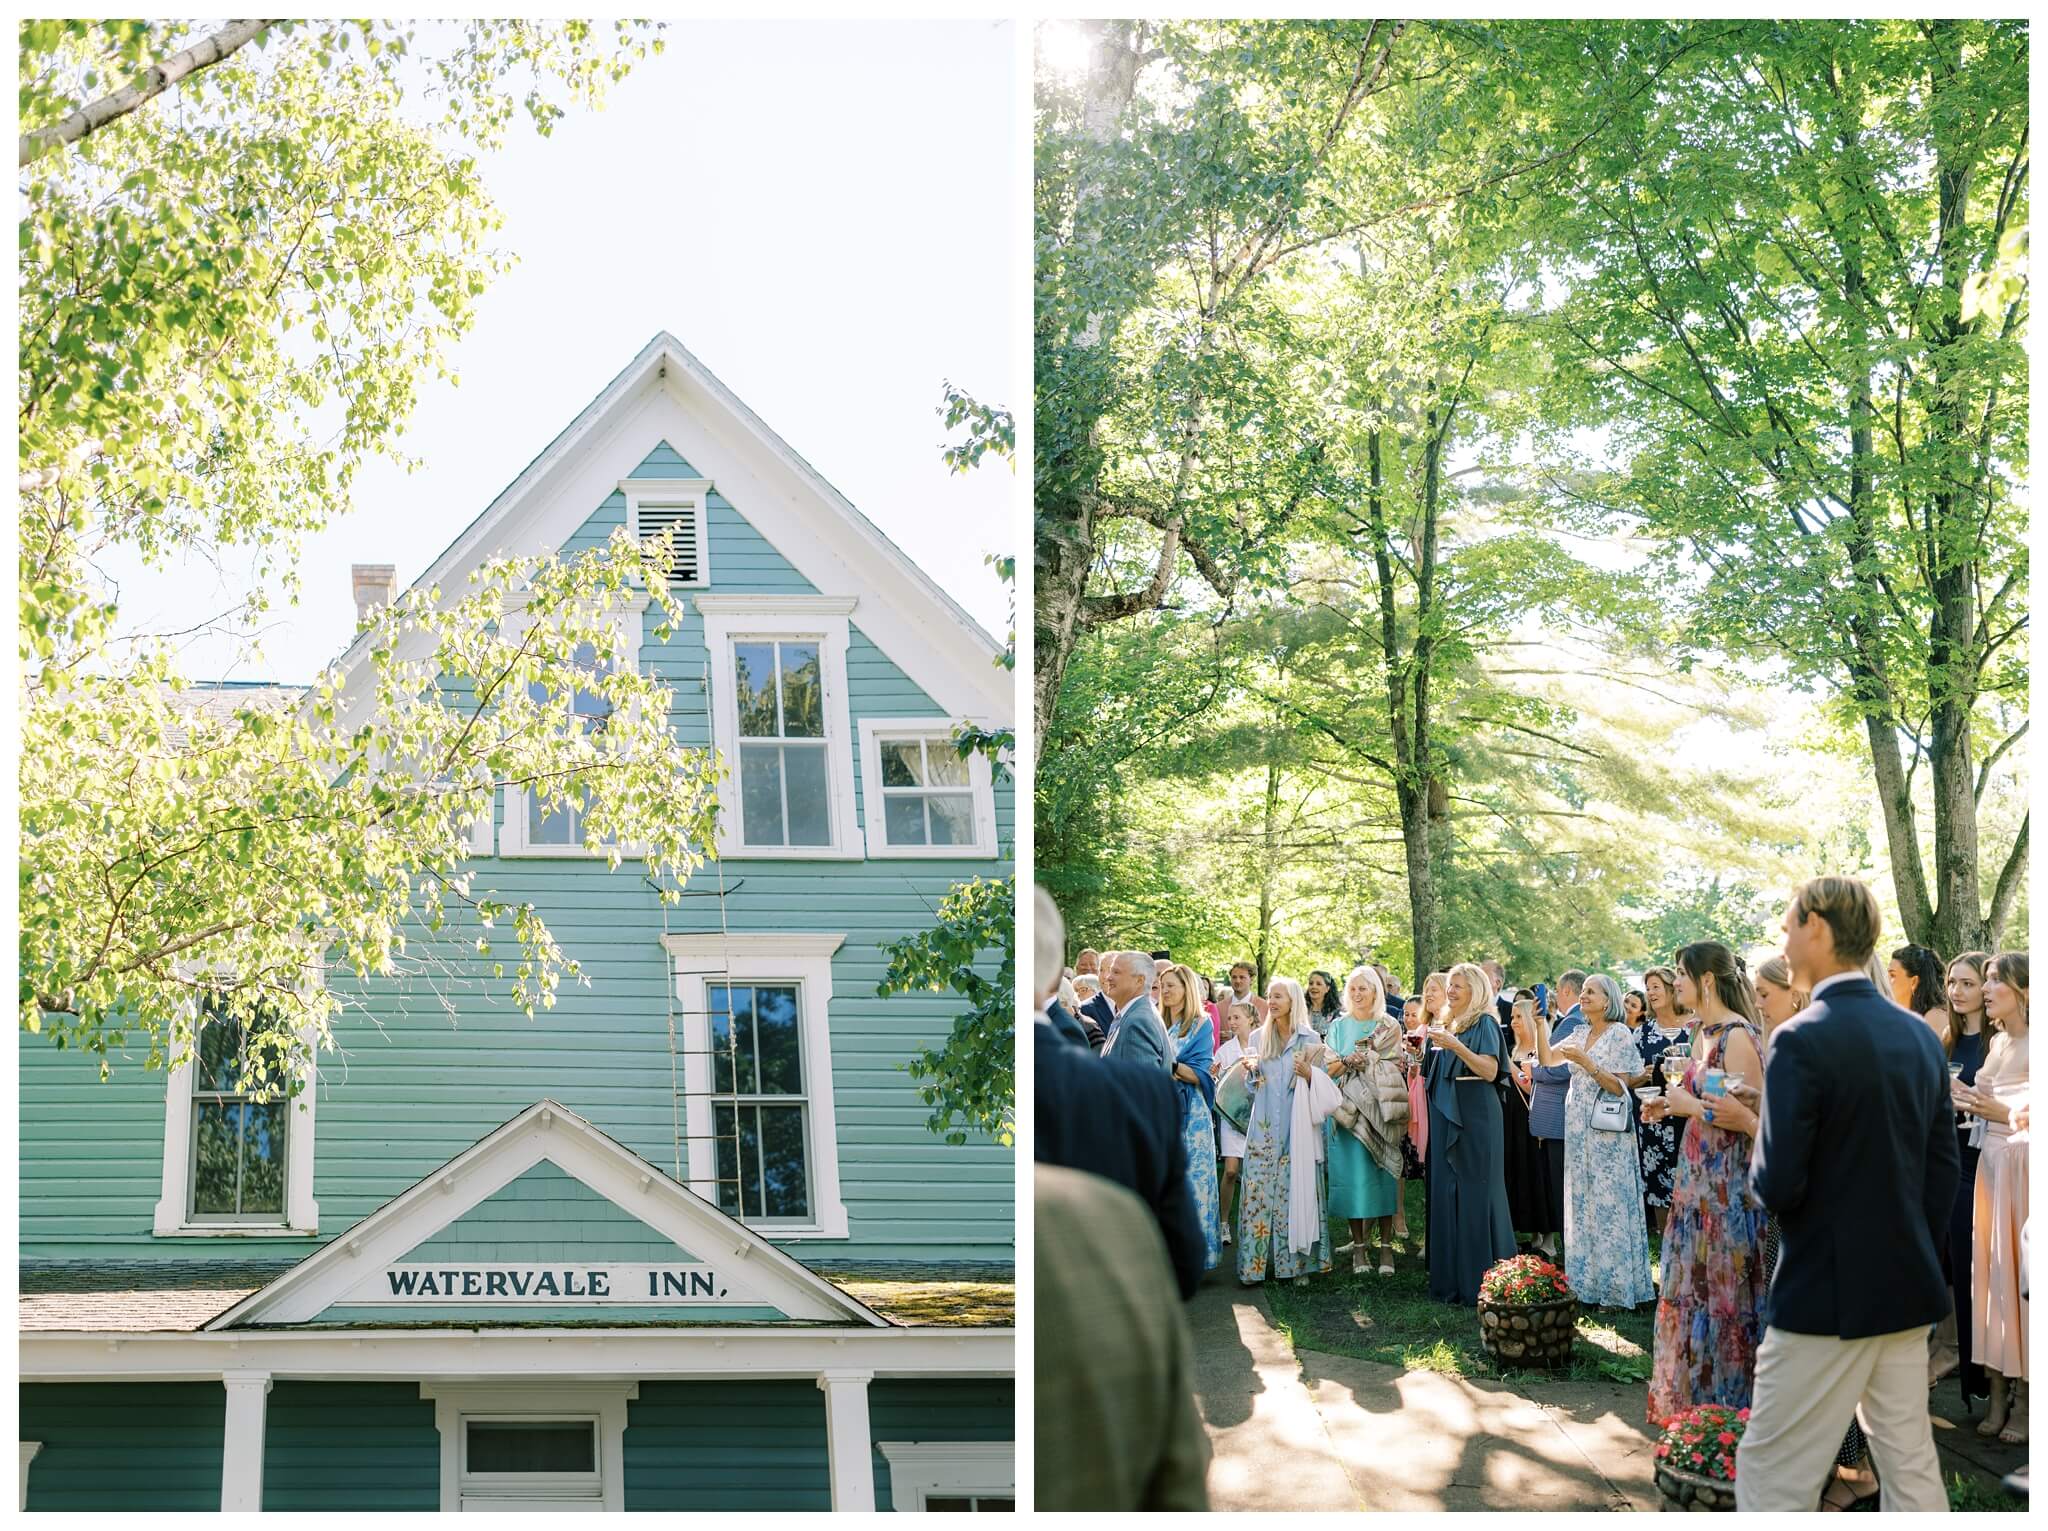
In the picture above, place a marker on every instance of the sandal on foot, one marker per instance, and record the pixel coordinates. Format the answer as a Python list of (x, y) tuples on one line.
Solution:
[(1386, 1267), (1848, 1499), (2013, 1434)]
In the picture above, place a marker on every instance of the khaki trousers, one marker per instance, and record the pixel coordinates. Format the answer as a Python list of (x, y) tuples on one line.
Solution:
[(1807, 1387)]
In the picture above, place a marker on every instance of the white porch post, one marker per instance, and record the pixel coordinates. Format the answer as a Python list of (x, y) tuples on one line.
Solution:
[(847, 1442), (241, 1453)]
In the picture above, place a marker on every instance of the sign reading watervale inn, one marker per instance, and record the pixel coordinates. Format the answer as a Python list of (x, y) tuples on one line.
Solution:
[(517, 1282)]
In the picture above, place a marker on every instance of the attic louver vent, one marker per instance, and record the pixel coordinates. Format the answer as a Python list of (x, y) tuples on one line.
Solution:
[(683, 523)]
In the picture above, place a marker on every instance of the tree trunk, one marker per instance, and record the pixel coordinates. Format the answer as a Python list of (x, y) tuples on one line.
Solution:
[(1269, 842), (1064, 530)]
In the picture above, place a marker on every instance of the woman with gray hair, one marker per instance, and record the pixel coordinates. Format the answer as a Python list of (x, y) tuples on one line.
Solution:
[(1606, 1241)]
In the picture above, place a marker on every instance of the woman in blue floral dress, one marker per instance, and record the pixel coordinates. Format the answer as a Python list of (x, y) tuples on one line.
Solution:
[(1284, 1048), (1193, 1040), (1606, 1243)]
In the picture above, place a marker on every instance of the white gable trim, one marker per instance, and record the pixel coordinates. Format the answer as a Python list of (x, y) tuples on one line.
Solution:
[(760, 1272), (666, 394)]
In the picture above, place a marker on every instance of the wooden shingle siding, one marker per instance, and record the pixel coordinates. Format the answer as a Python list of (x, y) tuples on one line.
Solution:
[(350, 1446), (426, 1066), (164, 1438), (727, 1446)]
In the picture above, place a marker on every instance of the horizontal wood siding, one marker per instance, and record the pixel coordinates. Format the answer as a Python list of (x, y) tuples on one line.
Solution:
[(350, 1446), (727, 1446), (427, 1063), (129, 1447), (546, 1214), (914, 1409)]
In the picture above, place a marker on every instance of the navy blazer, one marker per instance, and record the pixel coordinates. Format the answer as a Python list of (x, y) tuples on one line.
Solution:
[(1857, 1158), (1120, 1121), (1102, 1011)]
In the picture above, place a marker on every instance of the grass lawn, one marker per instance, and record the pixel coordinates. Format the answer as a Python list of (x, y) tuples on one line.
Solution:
[(1394, 1320)]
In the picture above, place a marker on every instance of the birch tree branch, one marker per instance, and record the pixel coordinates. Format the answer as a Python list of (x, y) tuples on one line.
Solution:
[(152, 82)]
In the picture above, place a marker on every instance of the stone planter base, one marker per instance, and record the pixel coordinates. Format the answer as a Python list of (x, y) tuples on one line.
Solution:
[(1679, 1490), (1535, 1334)]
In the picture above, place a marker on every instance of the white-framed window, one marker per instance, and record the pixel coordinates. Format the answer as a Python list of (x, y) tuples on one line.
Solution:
[(951, 1475), (235, 1164), (761, 1135), (780, 719), (678, 506), (921, 798), (532, 829), (532, 1446)]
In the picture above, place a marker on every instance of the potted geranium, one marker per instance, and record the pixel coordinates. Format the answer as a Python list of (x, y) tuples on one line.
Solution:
[(1696, 1457), (1527, 1313)]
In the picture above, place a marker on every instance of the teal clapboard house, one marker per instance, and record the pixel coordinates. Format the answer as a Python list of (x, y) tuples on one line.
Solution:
[(682, 1241)]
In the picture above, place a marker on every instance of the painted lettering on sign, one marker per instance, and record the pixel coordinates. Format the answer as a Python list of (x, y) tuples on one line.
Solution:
[(509, 1282)]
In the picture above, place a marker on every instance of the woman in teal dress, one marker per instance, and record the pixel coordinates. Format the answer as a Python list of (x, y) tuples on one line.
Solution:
[(1468, 1227), (1360, 1191), (1266, 1243), (1193, 1041)]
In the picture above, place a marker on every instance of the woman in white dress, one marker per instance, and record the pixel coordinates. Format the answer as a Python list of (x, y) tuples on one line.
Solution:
[(1240, 1018)]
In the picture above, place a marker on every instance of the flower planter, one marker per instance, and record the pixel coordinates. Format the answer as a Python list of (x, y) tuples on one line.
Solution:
[(1681, 1490), (1529, 1334)]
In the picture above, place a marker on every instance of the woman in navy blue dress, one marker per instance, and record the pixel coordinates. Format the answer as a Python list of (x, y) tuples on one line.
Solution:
[(1469, 1230)]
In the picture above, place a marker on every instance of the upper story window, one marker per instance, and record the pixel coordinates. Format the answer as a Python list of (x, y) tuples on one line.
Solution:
[(780, 719), (760, 1115), (562, 825), (785, 776), (238, 1139), (922, 798), (237, 1160), (557, 829)]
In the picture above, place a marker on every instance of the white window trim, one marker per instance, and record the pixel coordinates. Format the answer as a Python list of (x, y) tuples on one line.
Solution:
[(798, 618), (302, 1212), (979, 778), (28, 1455), (454, 1402), (668, 491), (805, 959), (920, 1470), (512, 840)]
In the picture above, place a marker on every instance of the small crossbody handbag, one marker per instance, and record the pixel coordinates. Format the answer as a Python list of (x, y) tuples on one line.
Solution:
[(1610, 1113)]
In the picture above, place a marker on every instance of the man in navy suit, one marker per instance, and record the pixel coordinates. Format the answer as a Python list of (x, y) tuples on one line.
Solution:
[(1856, 1156), (1114, 1119)]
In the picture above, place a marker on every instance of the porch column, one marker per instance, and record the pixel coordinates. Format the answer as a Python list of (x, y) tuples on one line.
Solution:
[(241, 1452), (847, 1443)]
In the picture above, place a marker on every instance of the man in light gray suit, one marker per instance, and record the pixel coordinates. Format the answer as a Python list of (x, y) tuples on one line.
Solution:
[(1135, 1034)]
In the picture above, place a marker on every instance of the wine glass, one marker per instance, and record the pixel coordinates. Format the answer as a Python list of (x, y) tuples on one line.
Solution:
[(1674, 1070)]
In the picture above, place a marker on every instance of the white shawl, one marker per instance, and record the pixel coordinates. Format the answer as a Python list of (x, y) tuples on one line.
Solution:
[(1312, 1102)]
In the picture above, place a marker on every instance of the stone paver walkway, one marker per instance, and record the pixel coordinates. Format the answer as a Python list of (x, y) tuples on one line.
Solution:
[(1314, 1431)]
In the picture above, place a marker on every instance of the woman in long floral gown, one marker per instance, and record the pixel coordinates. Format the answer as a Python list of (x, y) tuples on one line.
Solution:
[(1709, 1314), (1286, 1046), (1189, 1034)]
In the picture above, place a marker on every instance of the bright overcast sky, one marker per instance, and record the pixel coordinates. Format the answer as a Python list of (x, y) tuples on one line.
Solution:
[(822, 212)]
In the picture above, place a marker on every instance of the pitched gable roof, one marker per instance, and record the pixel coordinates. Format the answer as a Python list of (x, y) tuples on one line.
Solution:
[(545, 1130), (665, 393)]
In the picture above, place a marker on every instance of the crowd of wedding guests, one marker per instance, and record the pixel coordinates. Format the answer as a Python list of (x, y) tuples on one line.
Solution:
[(1832, 1150)]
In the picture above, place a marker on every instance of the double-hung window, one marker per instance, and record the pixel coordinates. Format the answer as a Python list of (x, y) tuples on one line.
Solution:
[(238, 1155), (562, 824), (238, 1135), (922, 797), (758, 1122), (785, 776), (780, 721), (760, 1114)]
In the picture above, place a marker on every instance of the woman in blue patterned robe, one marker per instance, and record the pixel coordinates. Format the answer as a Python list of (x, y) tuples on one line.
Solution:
[(1284, 1043), (1193, 1040)]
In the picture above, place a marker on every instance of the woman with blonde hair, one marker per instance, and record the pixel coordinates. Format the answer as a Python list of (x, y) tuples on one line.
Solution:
[(1606, 1239), (1361, 1192), (1268, 1242), (1998, 1315), (1192, 1041), (1468, 1229), (1661, 1030)]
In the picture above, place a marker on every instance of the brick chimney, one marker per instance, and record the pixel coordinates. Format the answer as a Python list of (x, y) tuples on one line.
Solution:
[(376, 584)]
